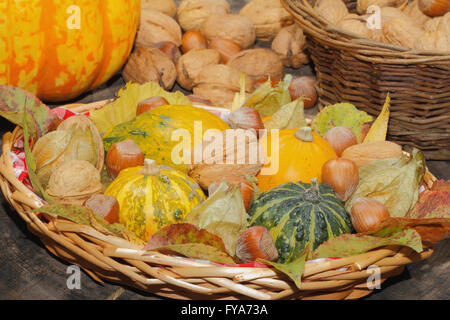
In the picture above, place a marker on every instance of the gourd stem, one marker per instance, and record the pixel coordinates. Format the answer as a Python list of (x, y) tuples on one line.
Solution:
[(314, 185), (304, 134), (312, 194), (150, 168)]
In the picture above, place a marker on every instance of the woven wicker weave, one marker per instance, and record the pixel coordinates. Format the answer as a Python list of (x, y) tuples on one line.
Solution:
[(113, 259), (352, 69)]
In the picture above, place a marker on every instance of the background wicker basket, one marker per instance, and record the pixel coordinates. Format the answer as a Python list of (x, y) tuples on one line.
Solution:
[(361, 71), (114, 259)]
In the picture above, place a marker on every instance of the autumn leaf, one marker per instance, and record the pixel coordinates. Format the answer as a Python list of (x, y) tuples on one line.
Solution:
[(85, 216), (431, 230), (13, 102), (342, 114), (123, 109), (290, 116), (182, 233), (241, 96), (347, 245), (440, 185), (394, 182), (392, 225), (378, 130), (199, 251), (222, 214), (431, 204), (267, 99), (293, 269)]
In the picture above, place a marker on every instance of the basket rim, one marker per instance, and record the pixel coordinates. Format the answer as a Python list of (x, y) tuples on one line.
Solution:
[(101, 256), (361, 48)]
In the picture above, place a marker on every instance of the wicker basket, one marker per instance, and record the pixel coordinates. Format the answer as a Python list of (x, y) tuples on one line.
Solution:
[(353, 69), (117, 260)]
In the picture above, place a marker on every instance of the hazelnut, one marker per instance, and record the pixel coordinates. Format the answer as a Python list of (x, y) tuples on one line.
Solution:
[(170, 49), (192, 39), (227, 48)]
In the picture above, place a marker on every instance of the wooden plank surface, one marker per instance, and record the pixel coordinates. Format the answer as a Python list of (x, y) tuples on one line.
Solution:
[(29, 271)]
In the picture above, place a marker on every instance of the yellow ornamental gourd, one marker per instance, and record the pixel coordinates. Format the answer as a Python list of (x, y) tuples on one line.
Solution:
[(60, 49), (300, 155), (163, 133), (151, 197)]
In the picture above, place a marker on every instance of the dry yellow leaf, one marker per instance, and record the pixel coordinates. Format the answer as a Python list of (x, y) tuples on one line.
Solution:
[(378, 130)]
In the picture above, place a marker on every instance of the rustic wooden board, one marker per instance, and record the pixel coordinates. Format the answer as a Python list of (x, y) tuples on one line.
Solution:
[(29, 271)]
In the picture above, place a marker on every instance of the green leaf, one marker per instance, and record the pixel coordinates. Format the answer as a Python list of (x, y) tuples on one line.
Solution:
[(124, 108), (31, 162), (13, 102), (342, 115), (293, 269), (347, 245)]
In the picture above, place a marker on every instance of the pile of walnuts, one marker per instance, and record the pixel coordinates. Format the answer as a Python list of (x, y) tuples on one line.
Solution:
[(205, 48)]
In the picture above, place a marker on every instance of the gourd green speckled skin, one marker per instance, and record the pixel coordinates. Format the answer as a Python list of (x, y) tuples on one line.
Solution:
[(152, 197), (152, 131), (300, 214)]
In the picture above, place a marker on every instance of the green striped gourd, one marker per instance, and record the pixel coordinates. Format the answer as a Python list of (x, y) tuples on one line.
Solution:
[(300, 214)]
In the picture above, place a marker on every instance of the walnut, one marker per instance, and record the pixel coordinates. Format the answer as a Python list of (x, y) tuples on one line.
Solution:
[(433, 41), (362, 5), (235, 153), (412, 10), (232, 27), (190, 64), (289, 44), (192, 13), (219, 83), (150, 64), (432, 24), (258, 63), (164, 6), (355, 24), (155, 27), (268, 17), (331, 10), (387, 14), (74, 182), (401, 32)]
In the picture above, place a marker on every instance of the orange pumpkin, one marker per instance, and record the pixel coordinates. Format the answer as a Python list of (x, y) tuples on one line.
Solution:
[(301, 155), (60, 49)]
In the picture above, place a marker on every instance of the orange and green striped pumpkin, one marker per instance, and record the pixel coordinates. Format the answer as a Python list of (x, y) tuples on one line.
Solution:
[(60, 49), (152, 196)]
